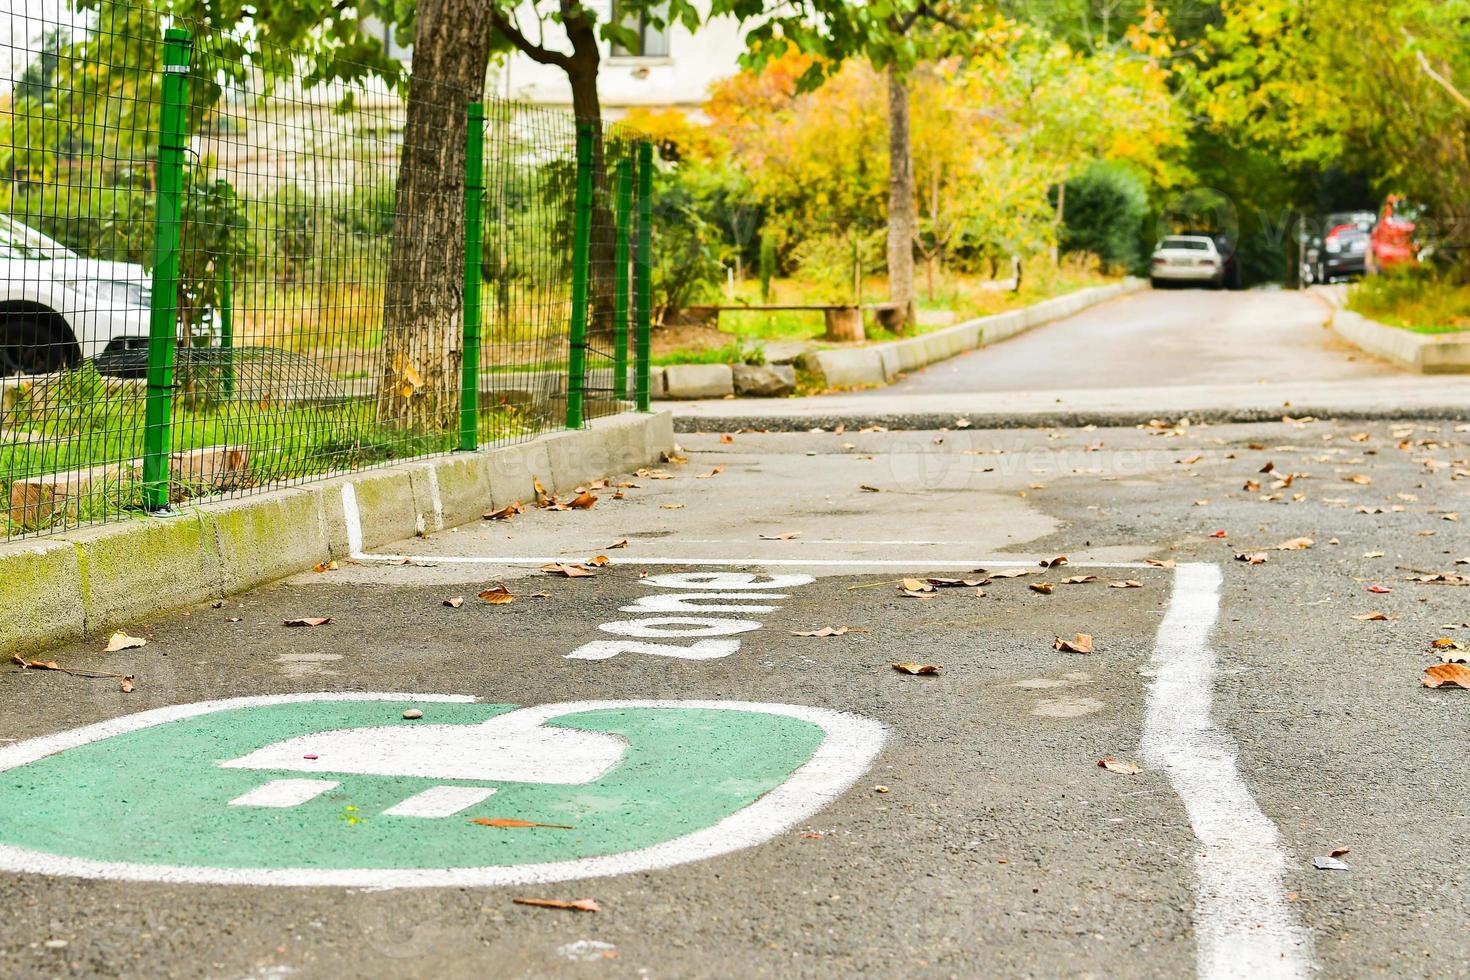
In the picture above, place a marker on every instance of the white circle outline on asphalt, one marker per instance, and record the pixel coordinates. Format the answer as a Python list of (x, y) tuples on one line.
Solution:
[(849, 746)]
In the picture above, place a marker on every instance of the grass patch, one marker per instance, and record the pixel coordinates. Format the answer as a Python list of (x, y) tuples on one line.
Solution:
[(83, 420), (1420, 300), (954, 299), (736, 352)]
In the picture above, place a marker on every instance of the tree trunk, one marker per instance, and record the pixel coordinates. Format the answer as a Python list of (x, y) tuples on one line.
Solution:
[(423, 298), (602, 251), (901, 214), (1057, 223)]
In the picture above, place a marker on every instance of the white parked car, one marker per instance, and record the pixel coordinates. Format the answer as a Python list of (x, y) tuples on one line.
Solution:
[(57, 308), (1189, 259)]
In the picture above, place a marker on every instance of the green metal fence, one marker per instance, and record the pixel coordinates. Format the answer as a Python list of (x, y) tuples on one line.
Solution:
[(221, 276)]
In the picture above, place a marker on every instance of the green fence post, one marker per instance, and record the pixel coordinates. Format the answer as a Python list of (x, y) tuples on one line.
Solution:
[(158, 411), (620, 280), (474, 195), (642, 266), (581, 247), (226, 320)]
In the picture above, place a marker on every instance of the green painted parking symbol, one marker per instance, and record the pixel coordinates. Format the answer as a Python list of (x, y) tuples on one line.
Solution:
[(341, 789)]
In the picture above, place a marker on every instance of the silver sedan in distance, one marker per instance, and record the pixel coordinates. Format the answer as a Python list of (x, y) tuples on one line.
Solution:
[(1188, 259)]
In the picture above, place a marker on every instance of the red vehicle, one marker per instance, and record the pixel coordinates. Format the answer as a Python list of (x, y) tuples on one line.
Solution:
[(1394, 242)]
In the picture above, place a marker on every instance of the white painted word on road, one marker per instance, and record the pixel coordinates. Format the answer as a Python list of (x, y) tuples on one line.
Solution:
[(692, 592)]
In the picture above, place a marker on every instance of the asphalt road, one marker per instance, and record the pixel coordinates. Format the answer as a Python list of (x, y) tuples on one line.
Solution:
[(1287, 730), (1163, 338), (1218, 356)]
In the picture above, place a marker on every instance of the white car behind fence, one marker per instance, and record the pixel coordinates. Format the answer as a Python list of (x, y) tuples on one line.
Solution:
[(57, 308)]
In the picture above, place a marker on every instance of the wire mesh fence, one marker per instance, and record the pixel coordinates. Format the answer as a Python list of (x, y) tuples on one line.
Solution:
[(222, 274)]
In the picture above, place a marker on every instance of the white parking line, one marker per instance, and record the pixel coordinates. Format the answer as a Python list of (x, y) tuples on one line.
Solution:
[(1243, 925), (919, 562)]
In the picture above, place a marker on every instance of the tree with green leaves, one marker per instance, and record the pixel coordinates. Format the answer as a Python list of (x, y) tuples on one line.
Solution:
[(1382, 83)]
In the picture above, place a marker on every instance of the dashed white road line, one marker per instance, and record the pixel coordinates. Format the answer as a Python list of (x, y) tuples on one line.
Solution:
[(1244, 927)]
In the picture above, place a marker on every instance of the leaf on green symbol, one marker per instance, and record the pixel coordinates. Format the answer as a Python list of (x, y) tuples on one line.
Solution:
[(506, 822)]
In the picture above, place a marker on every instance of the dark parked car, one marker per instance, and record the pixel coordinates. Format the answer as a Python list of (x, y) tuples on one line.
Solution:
[(1339, 248)]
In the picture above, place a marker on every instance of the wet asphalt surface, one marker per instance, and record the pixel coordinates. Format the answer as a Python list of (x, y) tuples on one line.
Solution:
[(1000, 848)]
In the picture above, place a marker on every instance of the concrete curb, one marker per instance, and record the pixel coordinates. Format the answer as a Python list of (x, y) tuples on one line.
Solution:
[(882, 363), (1425, 353), (922, 421), (61, 588)]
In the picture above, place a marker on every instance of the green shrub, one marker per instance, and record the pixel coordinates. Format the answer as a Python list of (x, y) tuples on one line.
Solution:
[(1421, 299), (1106, 207)]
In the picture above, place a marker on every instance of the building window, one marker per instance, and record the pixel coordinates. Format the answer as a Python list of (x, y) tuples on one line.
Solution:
[(651, 41)]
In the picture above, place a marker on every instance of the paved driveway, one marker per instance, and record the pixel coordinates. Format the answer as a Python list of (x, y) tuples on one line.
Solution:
[(1163, 338)]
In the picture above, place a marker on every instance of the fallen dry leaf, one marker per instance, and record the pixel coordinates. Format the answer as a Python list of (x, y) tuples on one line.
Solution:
[(598, 561), (714, 472), (827, 631), (122, 641), (579, 905), (1295, 544), (783, 536), (1126, 584), (1053, 563), (1082, 644), (35, 664), (1160, 562), (497, 596), (865, 488), (617, 544), (1251, 486), (506, 822), (1372, 554), (1045, 588), (1379, 589), (1251, 557), (917, 668), (726, 438), (1445, 643), (1079, 579), (1371, 617), (505, 513), (915, 585), (309, 621), (1191, 460), (956, 583), (326, 566), (1120, 767), (126, 685), (569, 571), (1011, 573), (455, 602), (1361, 479), (670, 506), (1447, 675), (1267, 468), (585, 500)]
